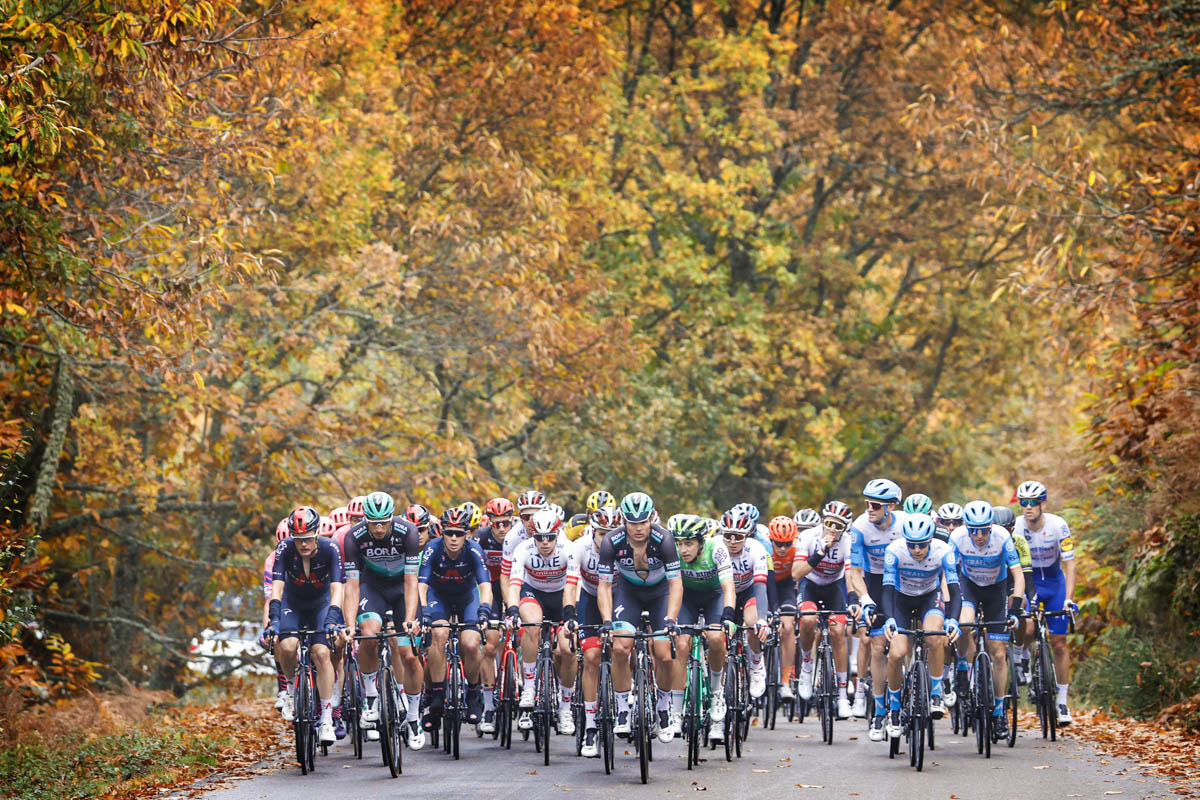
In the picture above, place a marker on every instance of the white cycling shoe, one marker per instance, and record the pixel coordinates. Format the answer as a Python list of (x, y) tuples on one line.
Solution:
[(370, 710), (758, 681), (566, 722), (280, 699), (860, 706), (806, 683), (843, 708), (894, 731), (416, 736), (785, 693), (877, 733), (937, 706), (950, 698), (622, 725), (288, 712), (527, 693), (716, 709), (372, 735), (326, 733), (591, 744)]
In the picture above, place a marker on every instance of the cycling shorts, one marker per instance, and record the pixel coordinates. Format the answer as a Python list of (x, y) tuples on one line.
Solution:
[(295, 616), (830, 597), (587, 612), (753, 597), (990, 604), (629, 601), (1052, 592), (875, 589), (374, 603), (918, 607), (785, 595), (551, 603), (709, 603), (465, 605)]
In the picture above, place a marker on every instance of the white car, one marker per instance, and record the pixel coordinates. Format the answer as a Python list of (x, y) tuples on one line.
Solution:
[(232, 650)]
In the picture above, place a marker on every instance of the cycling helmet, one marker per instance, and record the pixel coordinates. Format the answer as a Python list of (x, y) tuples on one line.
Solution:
[(882, 490), (533, 500), (281, 530), (558, 511), (737, 521), (475, 512), (918, 504), (605, 518), (1004, 517), (687, 526), (326, 527), (303, 522), (714, 525), (435, 527), (417, 514), (836, 509), (783, 529), (978, 514), (750, 510), (340, 516), (918, 528), (545, 523), (637, 507), (950, 513), (599, 499), (456, 518), (499, 507), (378, 506), (806, 518), (355, 507), (1031, 490)]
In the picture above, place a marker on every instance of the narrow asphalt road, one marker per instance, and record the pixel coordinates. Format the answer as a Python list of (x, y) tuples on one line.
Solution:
[(790, 759)]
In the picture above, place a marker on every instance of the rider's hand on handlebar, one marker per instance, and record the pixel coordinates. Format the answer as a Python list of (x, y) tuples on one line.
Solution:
[(890, 628)]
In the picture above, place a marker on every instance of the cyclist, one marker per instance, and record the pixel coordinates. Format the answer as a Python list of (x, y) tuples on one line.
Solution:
[(539, 578), (528, 504), (281, 533), (820, 571), (871, 534), (913, 570), (707, 573), (947, 518), (382, 559), (499, 513), (639, 570), (454, 581), (1053, 552), (917, 503), (306, 592), (783, 532), (750, 567), (355, 508), (987, 562), (1023, 634), (583, 584)]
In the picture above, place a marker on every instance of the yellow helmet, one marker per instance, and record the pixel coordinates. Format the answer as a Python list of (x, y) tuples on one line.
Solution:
[(600, 499), (475, 512)]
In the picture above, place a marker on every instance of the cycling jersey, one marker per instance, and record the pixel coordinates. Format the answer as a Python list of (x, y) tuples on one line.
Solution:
[(617, 557), (783, 563), (516, 534), (383, 561), (869, 541), (311, 587), (493, 549), (833, 566), (268, 576), (454, 575), (583, 563), (985, 565), (911, 577), (1022, 548), (1049, 546), (544, 573), (712, 565), (749, 566)]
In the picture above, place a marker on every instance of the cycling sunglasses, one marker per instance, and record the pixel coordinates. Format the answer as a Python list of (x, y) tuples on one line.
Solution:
[(917, 545), (835, 525), (527, 517), (506, 522), (545, 537), (979, 531), (1029, 503), (733, 536), (453, 532), (875, 505)]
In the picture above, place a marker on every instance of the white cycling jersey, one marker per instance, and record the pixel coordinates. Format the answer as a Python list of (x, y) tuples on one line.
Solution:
[(1050, 545), (833, 566), (583, 562), (912, 577), (544, 573), (750, 565), (516, 534), (869, 541)]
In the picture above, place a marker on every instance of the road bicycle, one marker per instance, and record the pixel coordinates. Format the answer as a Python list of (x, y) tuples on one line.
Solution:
[(825, 687), (352, 697), (545, 682), (392, 708), (506, 694), (1043, 683), (643, 700), (606, 705), (772, 658), (914, 701), (738, 707), (454, 711), (697, 690), (306, 701), (981, 690)]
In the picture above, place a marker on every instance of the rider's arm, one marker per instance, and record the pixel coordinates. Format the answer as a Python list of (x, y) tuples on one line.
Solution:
[(672, 566), (1068, 568), (674, 597), (950, 576), (352, 597)]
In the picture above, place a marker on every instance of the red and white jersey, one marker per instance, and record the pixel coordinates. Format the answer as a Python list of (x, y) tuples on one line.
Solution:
[(750, 565), (833, 566), (515, 536), (545, 573), (583, 562)]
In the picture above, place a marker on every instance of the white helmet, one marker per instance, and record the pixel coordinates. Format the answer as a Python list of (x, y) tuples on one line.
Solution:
[(545, 523), (1031, 490)]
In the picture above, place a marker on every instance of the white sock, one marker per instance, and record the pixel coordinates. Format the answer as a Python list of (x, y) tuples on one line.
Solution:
[(717, 678), (568, 693), (622, 701), (677, 701), (1062, 693), (489, 698), (326, 712), (414, 706), (529, 669), (755, 659), (841, 679), (369, 687), (808, 666), (664, 699), (589, 714)]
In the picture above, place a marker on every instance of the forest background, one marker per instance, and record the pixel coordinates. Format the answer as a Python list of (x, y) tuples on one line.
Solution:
[(257, 254)]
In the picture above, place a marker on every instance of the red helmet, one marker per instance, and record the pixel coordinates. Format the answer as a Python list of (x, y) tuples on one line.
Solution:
[(417, 514), (326, 527), (281, 530), (782, 529), (533, 499), (456, 518), (340, 516), (303, 521), (355, 507), (498, 507)]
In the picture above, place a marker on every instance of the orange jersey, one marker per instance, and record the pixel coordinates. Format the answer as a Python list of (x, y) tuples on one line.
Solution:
[(783, 563)]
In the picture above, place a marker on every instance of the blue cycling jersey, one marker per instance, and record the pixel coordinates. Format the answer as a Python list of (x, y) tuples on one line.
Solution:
[(311, 586), (450, 575)]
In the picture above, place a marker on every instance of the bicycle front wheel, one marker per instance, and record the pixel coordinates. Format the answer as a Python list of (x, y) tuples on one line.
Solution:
[(384, 725), (828, 693), (301, 722), (606, 716)]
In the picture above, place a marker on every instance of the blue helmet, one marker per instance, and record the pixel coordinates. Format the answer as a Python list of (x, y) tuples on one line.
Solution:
[(637, 507), (883, 490), (978, 514), (918, 528), (749, 509)]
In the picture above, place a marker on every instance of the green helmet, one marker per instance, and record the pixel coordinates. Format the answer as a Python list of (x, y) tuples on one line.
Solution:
[(918, 504), (637, 507), (687, 526), (378, 506)]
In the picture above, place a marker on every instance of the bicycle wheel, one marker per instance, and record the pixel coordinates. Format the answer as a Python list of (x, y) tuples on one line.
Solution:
[(921, 695), (742, 717), (642, 722), (301, 722), (508, 694), (352, 705), (1010, 709), (549, 694), (606, 716), (396, 727), (384, 725), (693, 714), (314, 702), (828, 694)]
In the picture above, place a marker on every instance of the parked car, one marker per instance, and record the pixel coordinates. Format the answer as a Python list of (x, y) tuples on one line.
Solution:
[(231, 650)]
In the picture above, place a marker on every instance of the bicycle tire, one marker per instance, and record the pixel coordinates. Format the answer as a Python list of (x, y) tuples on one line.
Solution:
[(397, 723), (509, 700), (694, 714), (549, 704), (1010, 708), (829, 693), (606, 716), (921, 710), (642, 720), (301, 725), (352, 705), (384, 704), (314, 702)]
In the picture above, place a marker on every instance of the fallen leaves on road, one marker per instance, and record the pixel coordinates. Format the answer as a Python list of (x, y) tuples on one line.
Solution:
[(1160, 751), (809, 786)]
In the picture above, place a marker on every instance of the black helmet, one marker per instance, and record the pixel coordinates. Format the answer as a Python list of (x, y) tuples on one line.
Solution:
[(1004, 517)]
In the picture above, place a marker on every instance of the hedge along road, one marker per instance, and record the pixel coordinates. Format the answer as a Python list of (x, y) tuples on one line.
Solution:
[(774, 763)]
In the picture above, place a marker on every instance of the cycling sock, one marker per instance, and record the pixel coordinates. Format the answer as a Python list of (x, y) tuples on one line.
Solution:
[(622, 701), (789, 672), (677, 701), (568, 693), (369, 687), (755, 659), (1062, 693), (935, 687), (880, 708), (717, 678), (664, 699), (337, 701), (893, 697), (279, 677), (962, 664), (489, 697), (998, 709), (806, 660), (841, 679), (589, 714), (808, 666), (528, 668), (326, 712), (414, 706)]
